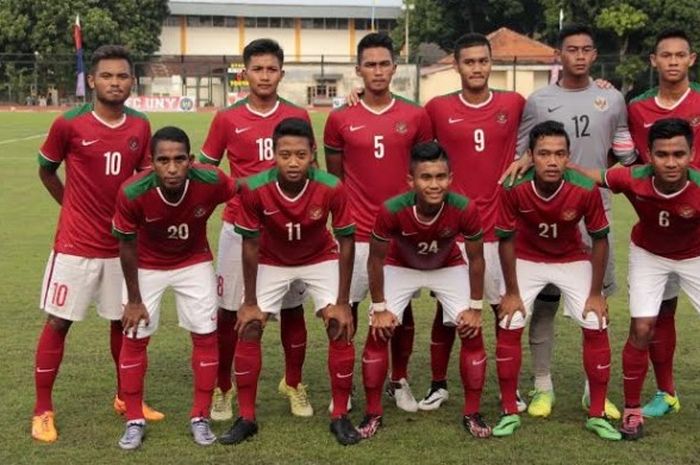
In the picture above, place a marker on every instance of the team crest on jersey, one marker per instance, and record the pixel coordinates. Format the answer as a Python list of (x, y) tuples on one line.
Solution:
[(315, 212), (133, 144), (501, 117), (686, 211), (401, 127), (200, 212), (568, 214), (694, 121), (600, 103)]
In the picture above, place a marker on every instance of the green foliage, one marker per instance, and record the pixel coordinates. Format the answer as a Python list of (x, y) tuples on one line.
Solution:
[(622, 19)]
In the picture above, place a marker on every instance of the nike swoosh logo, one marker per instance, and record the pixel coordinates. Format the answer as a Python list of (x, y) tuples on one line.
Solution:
[(341, 376), (507, 359), (151, 220), (85, 143), (45, 370), (240, 130), (526, 211), (648, 125), (404, 233), (629, 377), (478, 362), (270, 212), (207, 364), (126, 367), (298, 346), (356, 128), (241, 373), (455, 120), (553, 109), (374, 360), (603, 367), (433, 343)]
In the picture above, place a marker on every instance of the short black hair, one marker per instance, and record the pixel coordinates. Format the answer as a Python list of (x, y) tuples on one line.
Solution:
[(110, 52), (374, 40), (428, 151), (172, 134), (674, 33), (293, 127), (263, 47), (668, 128), (574, 30), (471, 40), (548, 128)]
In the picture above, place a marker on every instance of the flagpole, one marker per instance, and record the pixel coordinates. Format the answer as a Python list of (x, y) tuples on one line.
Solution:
[(80, 64)]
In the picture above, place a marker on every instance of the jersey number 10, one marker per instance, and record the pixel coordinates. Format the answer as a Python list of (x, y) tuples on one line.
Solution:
[(113, 163)]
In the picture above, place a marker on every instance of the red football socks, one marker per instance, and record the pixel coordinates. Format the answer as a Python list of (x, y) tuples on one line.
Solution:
[(472, 368), (341, 362), (441, 340), (133, 362), (49, 353), (293, 335), (661, 350), (227, 338), (116, 334), (596, 361), (375, 359), (205, 362), (402, 346), (248, 362), (508, 360), (635, 363)]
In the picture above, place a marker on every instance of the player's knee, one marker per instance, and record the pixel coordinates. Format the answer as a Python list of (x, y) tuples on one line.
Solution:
[(641, 331), (59, 324), (252, 331)]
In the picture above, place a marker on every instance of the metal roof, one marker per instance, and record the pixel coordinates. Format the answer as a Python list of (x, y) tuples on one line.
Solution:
[(383, 9)]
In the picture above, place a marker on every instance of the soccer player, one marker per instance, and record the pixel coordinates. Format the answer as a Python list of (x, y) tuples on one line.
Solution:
[(478, 128), (368, 146), (665, 244), (675, 97), (540, 244), (414, 245), (283, 222), (595, 119), (102, 143), (244, 133), (161, 223)]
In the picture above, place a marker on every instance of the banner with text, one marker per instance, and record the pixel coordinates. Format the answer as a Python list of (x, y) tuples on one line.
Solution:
[(161, 103)]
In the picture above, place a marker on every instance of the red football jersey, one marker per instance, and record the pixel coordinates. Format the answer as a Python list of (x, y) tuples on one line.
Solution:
[(246, 137), (644, 111), (547, 228), (426, 246), (480, 141), (293, 231), (376, 152), (669, 225), (171, 235), (99, 158)]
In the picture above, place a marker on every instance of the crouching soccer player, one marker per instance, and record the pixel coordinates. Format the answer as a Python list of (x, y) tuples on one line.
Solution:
[(540, 244), (161, 223), (664, 248), (285, 238), (416, 235)]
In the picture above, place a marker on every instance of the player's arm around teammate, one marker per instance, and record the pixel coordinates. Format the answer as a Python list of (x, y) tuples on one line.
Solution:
[(160, 222)]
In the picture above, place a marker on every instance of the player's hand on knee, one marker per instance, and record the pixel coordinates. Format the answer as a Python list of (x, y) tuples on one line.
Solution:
[(338, 321), (248, 314), (516, 170), (469, 323), (132, 316), (382, 324), (598, 305), (509, 306), (354, 97)]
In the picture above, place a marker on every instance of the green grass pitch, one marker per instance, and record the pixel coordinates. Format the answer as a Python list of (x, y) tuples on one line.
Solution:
[(89, 429)]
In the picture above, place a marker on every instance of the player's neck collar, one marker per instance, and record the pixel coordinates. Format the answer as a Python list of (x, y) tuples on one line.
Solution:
[(433, 220), (267, 113), (378, 112), (547, 199), (179, 201), (672, 194), (574, 89), (292, 199), (476, 105), (677, 102), (121, 121)]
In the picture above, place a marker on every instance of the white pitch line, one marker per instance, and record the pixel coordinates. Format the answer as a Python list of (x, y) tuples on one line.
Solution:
[(12, 141)]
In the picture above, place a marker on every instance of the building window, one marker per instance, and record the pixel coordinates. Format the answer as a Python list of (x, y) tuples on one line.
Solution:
[(322, 93), (218, 21), (363, 24), (199, 21), (287, 23), (307, 23), (276, 22), (231, 21), (319, 23), (342, 23), (172, 21), (250, 22)]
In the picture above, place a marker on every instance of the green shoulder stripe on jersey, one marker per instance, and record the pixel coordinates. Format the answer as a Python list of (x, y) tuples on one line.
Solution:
[(46, 163), (400, 202), (246, 232), (203, 158), (135, 113), (204, 176), (237, 104), (344, 231), (527, 177), (406, 100), (77, 111), (642, 171), (651, 93), (287, 102), (601, 233), (456, 200), (694, 176), (578, 179), (258, 180), (504, 234), (122, 236), (323, 177), (141, 186), (475, 237), (695, 86)]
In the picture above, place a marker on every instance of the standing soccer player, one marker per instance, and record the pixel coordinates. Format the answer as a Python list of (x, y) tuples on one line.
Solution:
[(244, 133), (102, 143), (665, 245), (540, 244), (368, 146), (414, 245), (596, 121), (675, 97), (161, 223), (283, 222), (478, 127)]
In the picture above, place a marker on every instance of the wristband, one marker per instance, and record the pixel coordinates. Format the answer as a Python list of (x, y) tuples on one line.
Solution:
[(476, 304), (378, 307)]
